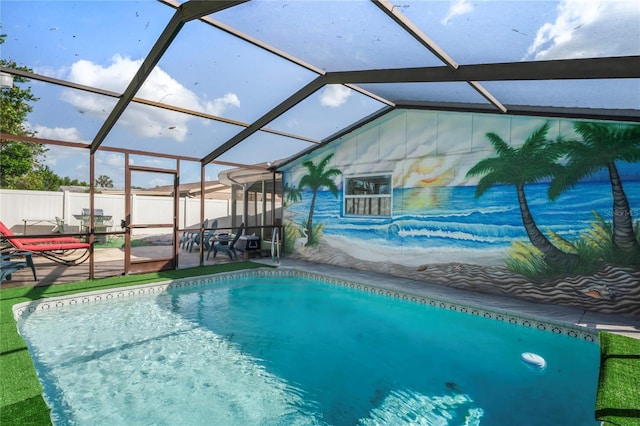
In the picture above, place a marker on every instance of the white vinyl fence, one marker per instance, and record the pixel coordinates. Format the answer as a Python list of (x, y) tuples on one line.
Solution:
[(41, 208)]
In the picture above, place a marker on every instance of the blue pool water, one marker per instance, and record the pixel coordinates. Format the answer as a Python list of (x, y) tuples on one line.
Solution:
[(293, 351)]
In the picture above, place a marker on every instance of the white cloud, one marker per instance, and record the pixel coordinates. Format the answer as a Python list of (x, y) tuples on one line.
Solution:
[(143, 121), (159, 182), (219, 105), (56, 155), (293, 123), (68, 162), (153, 162), (589, 28), (113, 160), (334, 95), (60, 72), (460, 7), (114, 77), (112, 165), (68, 134)]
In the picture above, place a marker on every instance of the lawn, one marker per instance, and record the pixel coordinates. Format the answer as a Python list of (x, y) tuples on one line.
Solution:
[(21, 401), (618, 398)]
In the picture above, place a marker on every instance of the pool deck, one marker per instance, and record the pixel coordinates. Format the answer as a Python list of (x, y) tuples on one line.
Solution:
[(110, 262), (603, 322)]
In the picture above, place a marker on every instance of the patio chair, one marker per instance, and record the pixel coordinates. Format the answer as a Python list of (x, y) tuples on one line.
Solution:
[(208, 234), (67, 251), (226, 248), (8, 265), (59, 225), (188, 236)]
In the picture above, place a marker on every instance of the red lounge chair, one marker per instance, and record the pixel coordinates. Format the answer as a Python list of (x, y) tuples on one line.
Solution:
[(59, 249)]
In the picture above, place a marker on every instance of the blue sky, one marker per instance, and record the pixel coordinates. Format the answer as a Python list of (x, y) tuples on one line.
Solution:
[(102, 43)]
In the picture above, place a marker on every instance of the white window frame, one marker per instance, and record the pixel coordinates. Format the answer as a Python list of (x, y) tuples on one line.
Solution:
[(373, 205)]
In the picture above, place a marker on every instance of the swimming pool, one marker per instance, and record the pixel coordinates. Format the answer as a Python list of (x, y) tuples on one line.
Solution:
[(276, 347)]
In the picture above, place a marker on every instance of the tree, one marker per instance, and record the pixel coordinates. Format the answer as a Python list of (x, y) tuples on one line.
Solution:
[(317, 178), (533, 162), (67, 181), (601, 146), (104, 181), (21, 162), (41, 179), (17, 158)]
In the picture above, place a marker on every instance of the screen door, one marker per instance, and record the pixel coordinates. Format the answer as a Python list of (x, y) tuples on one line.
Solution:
[(151, 221)]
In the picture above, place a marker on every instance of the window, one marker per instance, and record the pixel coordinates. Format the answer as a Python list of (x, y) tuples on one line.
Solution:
[(368, 195)]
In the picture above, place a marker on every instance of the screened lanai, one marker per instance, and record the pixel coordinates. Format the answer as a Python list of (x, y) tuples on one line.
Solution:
[(154, 93)]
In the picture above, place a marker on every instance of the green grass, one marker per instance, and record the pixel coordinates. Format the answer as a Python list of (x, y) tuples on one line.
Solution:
[(21, 401), (618, 397)]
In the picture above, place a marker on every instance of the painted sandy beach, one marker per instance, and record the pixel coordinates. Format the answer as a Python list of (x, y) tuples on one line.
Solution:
[(613, 290)]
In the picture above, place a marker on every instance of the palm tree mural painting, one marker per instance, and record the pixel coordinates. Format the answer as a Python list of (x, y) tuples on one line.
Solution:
[(601, 146), (292, 194), (317, 178), (533, 162)]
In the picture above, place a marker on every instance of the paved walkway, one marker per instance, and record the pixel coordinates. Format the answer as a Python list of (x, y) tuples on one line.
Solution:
[(109, 262)]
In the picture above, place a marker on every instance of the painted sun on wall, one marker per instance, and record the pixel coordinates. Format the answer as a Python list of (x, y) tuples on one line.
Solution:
[(540, 209)]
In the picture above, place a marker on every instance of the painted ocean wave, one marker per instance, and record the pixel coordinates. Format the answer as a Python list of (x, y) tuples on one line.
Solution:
[(418, 229), (455, 217), (437, 238), (443, 214), (455, 235)]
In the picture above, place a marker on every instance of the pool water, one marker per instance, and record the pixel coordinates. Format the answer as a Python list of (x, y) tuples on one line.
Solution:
[(293, 351)]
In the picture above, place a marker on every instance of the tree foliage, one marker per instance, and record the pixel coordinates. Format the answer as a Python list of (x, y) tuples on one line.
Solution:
[(17, 158), (44, 179), (104, 181), (21, 163)]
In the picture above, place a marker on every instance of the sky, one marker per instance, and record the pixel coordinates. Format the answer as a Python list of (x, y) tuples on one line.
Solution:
[(103, 43)]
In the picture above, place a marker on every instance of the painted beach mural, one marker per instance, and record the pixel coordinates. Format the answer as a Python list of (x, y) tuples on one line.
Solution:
[(541, 209)]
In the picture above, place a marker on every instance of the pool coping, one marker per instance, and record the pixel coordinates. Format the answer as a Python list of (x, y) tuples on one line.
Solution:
[(559, 327)]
